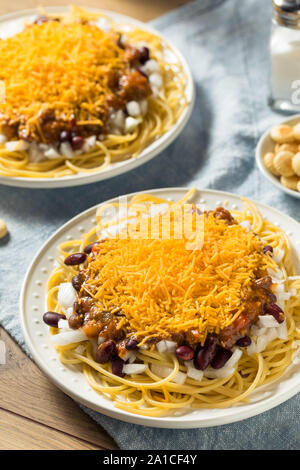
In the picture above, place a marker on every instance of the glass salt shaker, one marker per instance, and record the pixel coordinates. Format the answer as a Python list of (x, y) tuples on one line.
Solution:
[(285, 56)]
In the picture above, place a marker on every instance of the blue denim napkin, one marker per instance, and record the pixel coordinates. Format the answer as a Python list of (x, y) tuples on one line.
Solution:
[(226, 45)]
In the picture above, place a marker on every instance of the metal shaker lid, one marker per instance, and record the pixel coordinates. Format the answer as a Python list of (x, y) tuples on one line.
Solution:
[(287, 13)]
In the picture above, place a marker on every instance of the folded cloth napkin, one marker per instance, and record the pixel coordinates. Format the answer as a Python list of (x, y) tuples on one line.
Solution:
[(226, 44)]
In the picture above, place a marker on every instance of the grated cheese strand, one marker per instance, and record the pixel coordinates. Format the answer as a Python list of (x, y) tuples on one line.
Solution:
[(164, 288)]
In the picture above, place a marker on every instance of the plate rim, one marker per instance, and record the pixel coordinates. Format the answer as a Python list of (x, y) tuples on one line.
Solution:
[(158, 146), (259, 157), (160, 422)]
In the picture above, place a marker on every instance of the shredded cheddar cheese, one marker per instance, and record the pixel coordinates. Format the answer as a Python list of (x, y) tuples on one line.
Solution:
[(60, 66), (163, 288)]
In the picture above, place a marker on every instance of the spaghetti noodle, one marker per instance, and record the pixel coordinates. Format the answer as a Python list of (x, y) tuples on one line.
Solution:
[(196, 327), (89, 92)]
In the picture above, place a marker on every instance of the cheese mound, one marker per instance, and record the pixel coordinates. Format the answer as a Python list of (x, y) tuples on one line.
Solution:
[(163, 288), (60, 66)]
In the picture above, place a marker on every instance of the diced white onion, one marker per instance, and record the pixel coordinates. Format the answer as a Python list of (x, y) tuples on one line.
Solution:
[(103, 24), (66, 294), (267, 321), (151, 66), (245, 224), (192, 372), (133, 108), (155, 80), (275, 275), (126, 355), (258, 331), (278, 255), (161, 346), (63, 324), (282, 331), (131, 123), (134, 368), (164, 371), (118, 119), (237, 353), (51, 153), (15, 145), (66, 150), (35, 153), (171, 346), (69, 312), (68, 337), (144, 106)]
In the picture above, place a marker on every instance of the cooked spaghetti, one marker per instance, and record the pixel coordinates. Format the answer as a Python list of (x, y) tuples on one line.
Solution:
[(82, 92), (166, 323)]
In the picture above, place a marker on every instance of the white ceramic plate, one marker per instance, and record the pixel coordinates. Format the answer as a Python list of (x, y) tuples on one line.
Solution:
[(72, 381), (13, 23), (266, 144)]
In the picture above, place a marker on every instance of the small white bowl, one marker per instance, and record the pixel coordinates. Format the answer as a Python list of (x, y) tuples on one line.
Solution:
[(265, 145)]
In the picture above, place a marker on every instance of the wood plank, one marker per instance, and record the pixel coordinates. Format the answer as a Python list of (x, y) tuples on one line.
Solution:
[(144, 11), (18, 433), (26, 391)]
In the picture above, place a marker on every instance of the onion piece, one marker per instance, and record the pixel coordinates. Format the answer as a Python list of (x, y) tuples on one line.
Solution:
[(161, 346), (68, 337), (69, 312), (278, 255), (63, 324), (192, 372), (282, 330), (237, 353), (268, 321), (134, 368), (66, 294), (171, 346), (246, 224), (164, 371)]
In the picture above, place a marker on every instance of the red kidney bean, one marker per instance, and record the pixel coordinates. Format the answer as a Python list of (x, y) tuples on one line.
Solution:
[(264, 282), (77, 282), (205, 354), (276, 311), (185, 353), (65, 136), (117, 366), (52, 318), (221, 357), (75, 258), (75, 321), (268, 249), (88, 248), (131, 343), (77, 142), (144, 55), (106, 351), (244, 342)]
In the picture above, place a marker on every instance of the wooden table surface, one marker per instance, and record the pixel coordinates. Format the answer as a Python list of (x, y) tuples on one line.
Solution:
[(34, 414)]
